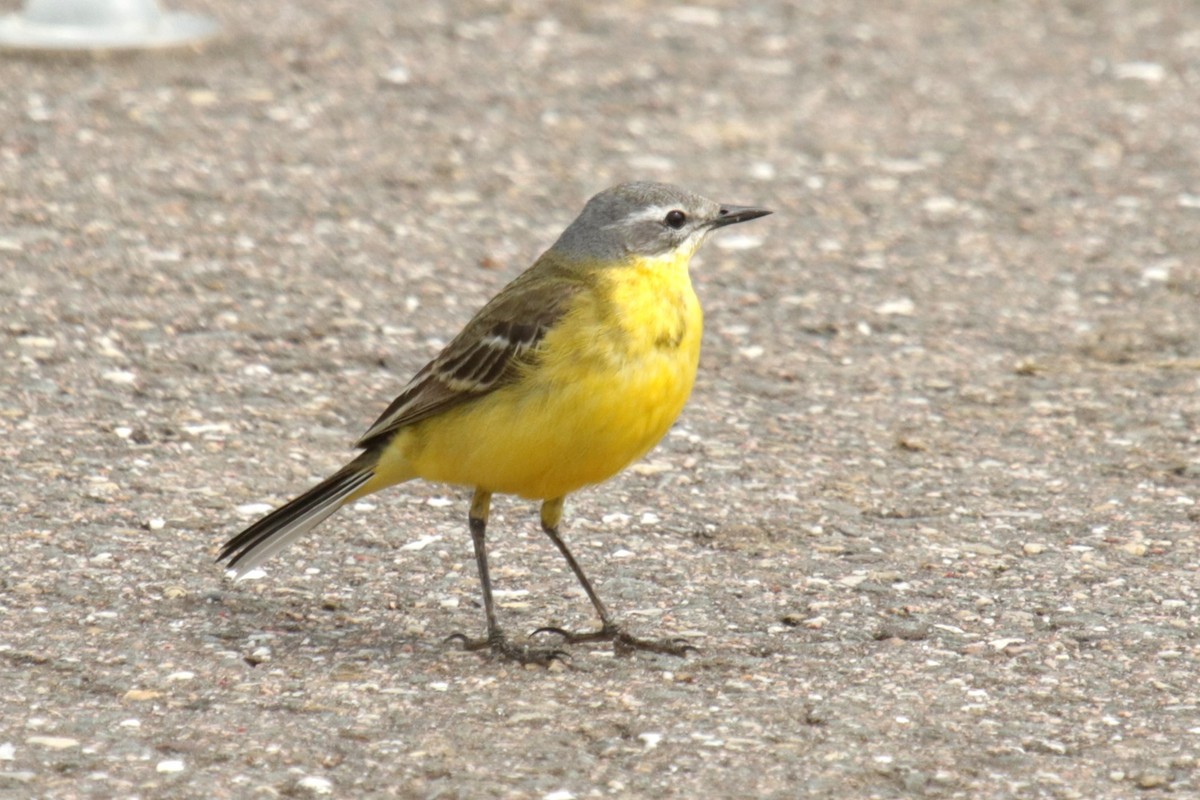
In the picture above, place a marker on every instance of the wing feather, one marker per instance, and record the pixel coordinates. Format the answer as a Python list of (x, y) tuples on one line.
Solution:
[(489, 352)]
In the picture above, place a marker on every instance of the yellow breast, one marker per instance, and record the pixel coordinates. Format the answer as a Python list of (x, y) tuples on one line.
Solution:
[(616, 372)]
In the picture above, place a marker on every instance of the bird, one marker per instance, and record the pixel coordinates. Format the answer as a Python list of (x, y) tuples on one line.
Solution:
[(573, 371)]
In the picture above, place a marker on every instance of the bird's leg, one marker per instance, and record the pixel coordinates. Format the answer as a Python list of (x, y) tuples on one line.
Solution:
[(495, 640), (610, 630)]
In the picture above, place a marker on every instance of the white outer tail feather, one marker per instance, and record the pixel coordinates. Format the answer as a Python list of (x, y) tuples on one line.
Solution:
[(324, 498)]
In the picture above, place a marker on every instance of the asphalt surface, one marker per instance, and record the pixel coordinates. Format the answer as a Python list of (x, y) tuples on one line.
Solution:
[(930, 518)]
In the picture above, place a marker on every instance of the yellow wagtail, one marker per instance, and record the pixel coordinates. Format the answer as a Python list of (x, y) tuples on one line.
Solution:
[(576, 369)]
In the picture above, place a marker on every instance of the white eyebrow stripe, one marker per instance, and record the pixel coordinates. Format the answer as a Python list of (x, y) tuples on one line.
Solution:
[(651, 212)]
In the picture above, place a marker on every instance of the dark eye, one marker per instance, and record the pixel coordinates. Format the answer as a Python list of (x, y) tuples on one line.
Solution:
[(675, 219)]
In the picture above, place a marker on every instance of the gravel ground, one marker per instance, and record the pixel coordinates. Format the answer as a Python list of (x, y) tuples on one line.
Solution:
[(930, 517)]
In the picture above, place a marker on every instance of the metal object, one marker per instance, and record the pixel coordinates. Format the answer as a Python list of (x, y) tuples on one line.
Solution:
[(101, 25)]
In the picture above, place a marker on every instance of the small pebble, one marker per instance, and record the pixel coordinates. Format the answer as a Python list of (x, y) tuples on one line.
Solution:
[(54, 742), (739, 242), (120, 376), (171, 765), (420, 544), (939, 206), (651, 739), (398, 76), (900, 307), (316, 784), (1146, 71), (1152, 780)]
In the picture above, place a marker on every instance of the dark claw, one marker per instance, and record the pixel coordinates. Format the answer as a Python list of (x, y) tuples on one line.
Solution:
[(501, 647), (563, 632), (623, 643), (468, 644)]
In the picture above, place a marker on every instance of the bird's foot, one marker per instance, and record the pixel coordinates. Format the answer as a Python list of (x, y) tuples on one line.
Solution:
[(501, 647), (624, 643)]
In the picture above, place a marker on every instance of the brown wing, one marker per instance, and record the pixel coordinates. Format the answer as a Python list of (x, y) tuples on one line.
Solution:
[(486, 355)]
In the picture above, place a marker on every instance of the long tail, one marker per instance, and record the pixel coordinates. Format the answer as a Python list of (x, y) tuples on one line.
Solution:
[(289, 522)]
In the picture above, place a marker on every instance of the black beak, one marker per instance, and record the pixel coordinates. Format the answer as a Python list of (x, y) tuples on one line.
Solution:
[(730, 215)]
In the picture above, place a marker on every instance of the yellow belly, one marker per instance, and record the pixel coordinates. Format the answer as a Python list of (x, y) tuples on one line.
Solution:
[(602, 396)]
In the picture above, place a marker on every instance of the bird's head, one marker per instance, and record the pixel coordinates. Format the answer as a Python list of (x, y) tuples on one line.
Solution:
[(646, 220)]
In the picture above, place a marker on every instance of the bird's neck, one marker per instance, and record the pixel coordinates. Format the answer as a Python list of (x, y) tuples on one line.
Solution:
[(655, 304)]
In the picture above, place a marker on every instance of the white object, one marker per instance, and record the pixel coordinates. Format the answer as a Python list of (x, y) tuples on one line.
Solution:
[(101, 25)]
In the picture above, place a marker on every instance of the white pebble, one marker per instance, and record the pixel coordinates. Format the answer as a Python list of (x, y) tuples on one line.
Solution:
[(1147, 71), (1160, 273), (164, 256), (316, 784), (762, 171), (938, 206), (171, 765), (901, 307), (120, 376), (690, 15), (8, 751), (740, 241), (253, 509), (651, 739), (398, 75), (648, 162), (54, 742), (1000, 644), (422, 543), (560, 794)]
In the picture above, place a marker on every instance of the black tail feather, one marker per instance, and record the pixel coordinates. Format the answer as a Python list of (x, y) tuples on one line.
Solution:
[(289, 522)]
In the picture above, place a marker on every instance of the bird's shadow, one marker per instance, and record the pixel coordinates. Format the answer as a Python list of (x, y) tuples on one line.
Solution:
[(267, 629)]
